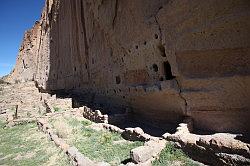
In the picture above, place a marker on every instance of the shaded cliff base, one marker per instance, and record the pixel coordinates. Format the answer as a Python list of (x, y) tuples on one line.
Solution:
[(213, 148), (209, 147), (207, 121), (22, 104)]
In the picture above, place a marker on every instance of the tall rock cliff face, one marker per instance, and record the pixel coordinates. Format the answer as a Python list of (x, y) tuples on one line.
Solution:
[(27, 58), (166, 59)]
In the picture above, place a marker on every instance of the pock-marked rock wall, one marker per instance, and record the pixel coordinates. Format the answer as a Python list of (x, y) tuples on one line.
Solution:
[(166, 59)]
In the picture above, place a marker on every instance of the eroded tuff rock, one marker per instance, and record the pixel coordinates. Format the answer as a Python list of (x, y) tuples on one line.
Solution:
[(214, 149), (164, 58), (27, 58)]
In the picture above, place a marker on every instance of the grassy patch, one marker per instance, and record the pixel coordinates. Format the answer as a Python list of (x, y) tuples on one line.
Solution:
[(23, 145), (57, 109), (100, 146), (97, 145), (172, 156)]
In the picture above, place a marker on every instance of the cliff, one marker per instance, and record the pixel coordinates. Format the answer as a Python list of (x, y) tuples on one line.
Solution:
[(166, 59)]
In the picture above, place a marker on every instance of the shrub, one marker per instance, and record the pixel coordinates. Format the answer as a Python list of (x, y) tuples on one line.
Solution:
[(2, 81), (56, 109), (86, 123), (62, 129), (106, 138)]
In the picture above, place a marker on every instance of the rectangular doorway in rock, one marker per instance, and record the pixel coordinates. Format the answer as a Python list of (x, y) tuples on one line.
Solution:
[(167, 71)]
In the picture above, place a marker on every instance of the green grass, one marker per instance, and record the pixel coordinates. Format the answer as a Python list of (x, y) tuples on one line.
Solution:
[(57, 109), (23, 145), (98, 145), (173, 156)]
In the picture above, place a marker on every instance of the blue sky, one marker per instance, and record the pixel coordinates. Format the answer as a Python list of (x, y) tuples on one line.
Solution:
[(16, 16)]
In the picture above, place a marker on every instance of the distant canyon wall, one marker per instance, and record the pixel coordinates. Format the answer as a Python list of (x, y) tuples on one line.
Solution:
[(166, 59)]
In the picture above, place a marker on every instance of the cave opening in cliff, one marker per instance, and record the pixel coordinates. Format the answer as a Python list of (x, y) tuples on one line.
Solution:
[(155, 68), (168, 71), (24, 66), (162, 50), (118, 79)]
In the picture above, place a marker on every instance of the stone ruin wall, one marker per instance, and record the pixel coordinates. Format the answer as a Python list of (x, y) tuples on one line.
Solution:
[(166, 59)]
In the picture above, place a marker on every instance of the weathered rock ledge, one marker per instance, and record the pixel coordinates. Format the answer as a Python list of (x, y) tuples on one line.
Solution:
[(214, 149)]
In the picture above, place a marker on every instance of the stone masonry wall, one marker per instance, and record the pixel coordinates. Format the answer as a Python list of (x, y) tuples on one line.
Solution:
[(166, 59)]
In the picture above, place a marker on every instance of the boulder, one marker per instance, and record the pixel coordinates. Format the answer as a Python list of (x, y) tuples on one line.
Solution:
[(141, 154)]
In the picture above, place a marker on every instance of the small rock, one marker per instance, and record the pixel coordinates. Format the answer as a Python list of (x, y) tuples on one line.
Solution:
[(146, 136), (141, 154), (166, 135), (130, 164), (64, 146), (72, 151), (130, 130), (157, 146), (103, 164), (98, 113), (82, 160), (133, 134), (138, 130)]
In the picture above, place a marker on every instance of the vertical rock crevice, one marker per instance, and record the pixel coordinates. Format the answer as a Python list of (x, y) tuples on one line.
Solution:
[(159, 28), (182, 97), (85, 38), (39, 47), (115, 15), (162, 48)]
